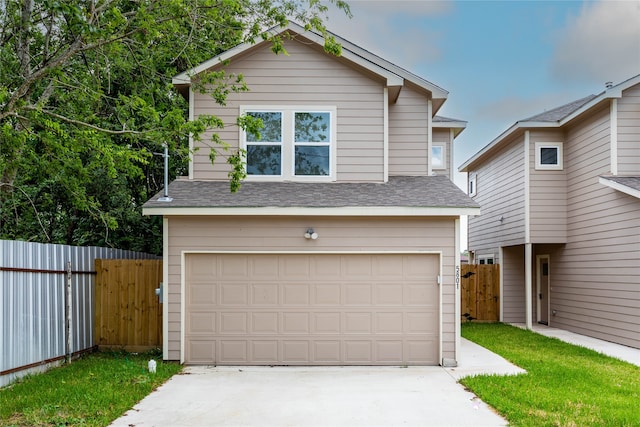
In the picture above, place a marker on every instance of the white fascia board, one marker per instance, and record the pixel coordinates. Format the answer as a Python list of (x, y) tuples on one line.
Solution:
[(450, 125), (620, 187), (300, 211)]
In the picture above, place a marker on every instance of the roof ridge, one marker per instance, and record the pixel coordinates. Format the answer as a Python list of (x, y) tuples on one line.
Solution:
[(558, 113)]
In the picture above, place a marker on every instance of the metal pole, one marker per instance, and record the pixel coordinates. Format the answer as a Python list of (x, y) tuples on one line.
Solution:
[(166, 197), (67, 322)]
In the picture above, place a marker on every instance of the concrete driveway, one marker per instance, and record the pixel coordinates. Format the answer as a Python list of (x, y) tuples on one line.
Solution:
[(321, 396)]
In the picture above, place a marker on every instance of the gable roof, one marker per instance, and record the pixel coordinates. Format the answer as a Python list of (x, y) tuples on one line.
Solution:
[(395, 76), (400, 196), (556, 117)]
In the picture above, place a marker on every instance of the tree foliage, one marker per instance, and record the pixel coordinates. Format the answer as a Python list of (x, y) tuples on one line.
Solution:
[(86, 100)]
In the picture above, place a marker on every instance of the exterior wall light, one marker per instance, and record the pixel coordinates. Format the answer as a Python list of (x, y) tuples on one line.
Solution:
[(310, 234)]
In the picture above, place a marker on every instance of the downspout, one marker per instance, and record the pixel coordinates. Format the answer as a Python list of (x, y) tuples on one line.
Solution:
[(385, 136), (429, 135), (528, 249), (614, 136)]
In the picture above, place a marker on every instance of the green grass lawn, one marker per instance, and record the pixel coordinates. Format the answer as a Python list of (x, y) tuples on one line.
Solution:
[(91, 391), (566, 385)]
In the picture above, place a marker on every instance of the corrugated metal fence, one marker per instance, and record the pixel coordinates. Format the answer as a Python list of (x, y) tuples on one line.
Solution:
[(38, 283)]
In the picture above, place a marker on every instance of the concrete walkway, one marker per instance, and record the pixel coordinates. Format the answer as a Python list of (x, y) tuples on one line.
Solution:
[(622, 352), (322, 396)]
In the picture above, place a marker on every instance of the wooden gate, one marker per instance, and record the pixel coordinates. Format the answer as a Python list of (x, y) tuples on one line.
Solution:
[(128, 313), (480, 292)]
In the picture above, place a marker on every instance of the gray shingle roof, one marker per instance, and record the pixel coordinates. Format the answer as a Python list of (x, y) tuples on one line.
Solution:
[(559, 113), (419, 191), (632, 182)]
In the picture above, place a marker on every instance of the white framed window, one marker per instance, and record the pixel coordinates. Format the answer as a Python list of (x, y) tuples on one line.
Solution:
[(549, 156), (473, 185), (438, 156), (486, 259), (295, 143)]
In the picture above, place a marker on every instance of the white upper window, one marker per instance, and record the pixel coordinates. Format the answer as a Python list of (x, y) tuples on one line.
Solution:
[(438, 160), (473, 185), (295, 143), (549, 156)]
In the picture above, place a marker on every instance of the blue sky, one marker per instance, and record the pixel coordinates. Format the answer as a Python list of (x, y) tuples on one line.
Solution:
[(501, 61)]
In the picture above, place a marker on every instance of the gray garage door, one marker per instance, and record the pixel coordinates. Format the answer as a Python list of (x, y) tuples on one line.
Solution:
[(311, 309)]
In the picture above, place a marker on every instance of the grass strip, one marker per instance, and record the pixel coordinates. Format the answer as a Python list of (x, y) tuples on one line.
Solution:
[(566, 385), (91, 391)]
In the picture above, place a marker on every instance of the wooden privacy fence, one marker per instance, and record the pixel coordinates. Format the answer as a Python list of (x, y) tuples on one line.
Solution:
[(128, 311), (480, 292)]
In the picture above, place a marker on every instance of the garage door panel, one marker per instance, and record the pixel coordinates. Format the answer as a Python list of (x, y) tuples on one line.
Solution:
[(295, 323), (295, 268), (234, 294), (264, 294), (357, 294), (357, 323), (233, 267), (265, 266), (358, 351), (295, 294), (265, 351), (295, 351), (311, 309), (327, 351), (202, 322), (201, 351), (389, 323), (233, 323), (264, 323), (234, 351), (326, 294), (388, 294), (325, 323), (389, 351), (203, 293)]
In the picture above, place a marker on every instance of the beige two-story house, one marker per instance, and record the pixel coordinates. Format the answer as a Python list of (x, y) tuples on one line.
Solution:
[(560, 195), (342, 245)]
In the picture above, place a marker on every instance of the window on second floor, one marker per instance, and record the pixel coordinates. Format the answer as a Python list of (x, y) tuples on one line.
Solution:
[(438, 157), (295, 143), (549, 156), (473, 183)]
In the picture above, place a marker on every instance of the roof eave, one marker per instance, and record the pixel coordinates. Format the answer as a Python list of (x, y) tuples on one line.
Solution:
[(620, 187), (367, 211)]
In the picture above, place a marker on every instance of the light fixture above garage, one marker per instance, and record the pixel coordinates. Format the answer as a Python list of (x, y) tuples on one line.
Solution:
[(310, 234)]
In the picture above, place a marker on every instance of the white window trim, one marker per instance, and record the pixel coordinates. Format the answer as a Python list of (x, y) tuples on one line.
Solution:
[(485, 258), (442, 165), (473, 185), (288, 144), (557, 145)]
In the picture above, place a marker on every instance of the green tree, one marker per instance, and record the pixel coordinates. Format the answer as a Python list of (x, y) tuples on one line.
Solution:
[(86, 99)]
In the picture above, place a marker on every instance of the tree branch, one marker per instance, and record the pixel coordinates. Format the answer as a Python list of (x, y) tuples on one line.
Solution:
[(88, 125)]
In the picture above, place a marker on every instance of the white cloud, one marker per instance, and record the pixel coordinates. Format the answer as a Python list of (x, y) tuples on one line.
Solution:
[(601, 44), (381, 28)]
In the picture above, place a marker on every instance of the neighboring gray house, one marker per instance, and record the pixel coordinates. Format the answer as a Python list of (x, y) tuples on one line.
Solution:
[(342, 245), (560, 198)]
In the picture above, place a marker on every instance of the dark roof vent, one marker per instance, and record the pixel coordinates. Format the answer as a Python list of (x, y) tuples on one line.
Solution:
[(608, 85)]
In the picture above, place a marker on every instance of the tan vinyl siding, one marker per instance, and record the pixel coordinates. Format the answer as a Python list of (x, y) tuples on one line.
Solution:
[(629, 132), (500, 192), (595, 287), (547, 194), (408, 130), (513, 300), (305, 77), (335, 234)]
